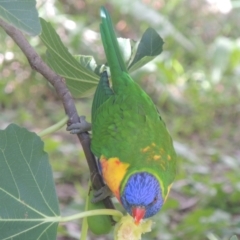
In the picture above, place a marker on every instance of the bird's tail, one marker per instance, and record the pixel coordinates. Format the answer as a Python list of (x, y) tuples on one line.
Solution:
[(111, 47)]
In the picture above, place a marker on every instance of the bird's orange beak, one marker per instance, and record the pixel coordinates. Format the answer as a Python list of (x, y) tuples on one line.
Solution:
[(138, 214)]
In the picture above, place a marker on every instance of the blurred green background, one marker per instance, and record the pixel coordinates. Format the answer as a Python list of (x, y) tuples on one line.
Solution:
[(195, 83)]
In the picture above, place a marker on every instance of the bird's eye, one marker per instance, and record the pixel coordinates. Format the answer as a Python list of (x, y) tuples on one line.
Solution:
[(154, 201)]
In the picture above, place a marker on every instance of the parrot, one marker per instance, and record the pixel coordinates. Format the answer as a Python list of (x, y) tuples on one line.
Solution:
[(133, 146)]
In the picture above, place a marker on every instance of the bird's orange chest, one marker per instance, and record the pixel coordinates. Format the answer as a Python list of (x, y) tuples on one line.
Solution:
[(113, 171)]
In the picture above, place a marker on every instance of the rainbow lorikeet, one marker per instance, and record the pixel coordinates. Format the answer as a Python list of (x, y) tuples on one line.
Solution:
[(135, 150)]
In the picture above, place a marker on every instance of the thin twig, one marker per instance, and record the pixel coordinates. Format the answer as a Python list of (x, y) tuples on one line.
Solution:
[(40, 66), (58, 83)]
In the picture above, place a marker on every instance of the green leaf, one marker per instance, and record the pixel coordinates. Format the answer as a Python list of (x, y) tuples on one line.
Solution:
[(87, 62), (22, 14), (28, 202), (147, 49), (79, 79)]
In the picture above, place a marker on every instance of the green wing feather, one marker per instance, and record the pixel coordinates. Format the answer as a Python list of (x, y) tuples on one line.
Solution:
[(102, 94)]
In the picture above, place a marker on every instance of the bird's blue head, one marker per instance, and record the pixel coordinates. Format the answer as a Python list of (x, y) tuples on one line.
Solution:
[(142, 196)]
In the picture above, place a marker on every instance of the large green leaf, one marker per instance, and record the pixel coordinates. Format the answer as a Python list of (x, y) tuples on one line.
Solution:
[(28, 203), (147, 49), (79, 79), (22, 14)]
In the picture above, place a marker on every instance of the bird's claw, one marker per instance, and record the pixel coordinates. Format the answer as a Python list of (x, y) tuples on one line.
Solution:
[(102, 193), (80, 127)]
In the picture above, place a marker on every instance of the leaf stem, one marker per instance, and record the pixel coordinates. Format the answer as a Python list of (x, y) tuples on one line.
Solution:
[(85, 223), (92, 213), (54, 127)]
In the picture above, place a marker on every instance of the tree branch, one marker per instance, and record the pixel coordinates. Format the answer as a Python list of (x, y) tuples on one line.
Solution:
[(58, 83)]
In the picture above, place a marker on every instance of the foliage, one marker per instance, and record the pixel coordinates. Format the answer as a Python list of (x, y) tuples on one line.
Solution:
[(24, 165), (79, 79), (194, 82), (15, 12)]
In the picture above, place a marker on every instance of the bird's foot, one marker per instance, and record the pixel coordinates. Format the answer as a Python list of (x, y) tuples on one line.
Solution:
[(102, 193), (80, 127)]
